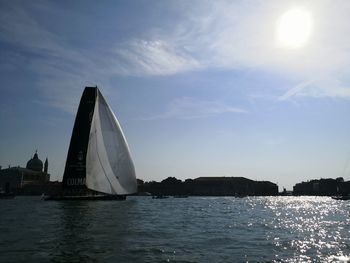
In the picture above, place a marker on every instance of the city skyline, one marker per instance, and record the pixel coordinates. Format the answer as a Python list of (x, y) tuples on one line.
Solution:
[(199, 88)]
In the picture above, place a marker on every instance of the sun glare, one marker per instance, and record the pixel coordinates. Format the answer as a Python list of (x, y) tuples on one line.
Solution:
[(294, 28)]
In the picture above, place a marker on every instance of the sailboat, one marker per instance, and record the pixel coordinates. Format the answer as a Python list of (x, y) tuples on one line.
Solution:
[(99, 164)]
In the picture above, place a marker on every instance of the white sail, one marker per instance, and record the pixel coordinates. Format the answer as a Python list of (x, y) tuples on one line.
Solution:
[(109, 168)]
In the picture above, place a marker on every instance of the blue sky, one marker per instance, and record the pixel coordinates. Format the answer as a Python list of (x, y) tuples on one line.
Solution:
[(201, 88)]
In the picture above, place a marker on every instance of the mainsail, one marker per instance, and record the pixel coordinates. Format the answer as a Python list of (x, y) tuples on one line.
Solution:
[(75, 170), (98, 156)]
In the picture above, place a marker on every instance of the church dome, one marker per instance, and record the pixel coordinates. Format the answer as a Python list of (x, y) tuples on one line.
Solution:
[(35, 163)]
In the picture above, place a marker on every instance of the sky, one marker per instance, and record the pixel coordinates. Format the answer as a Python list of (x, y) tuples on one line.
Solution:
[(200, 88)]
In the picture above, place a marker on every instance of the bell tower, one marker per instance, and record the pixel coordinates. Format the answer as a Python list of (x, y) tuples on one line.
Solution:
[(46, 166)]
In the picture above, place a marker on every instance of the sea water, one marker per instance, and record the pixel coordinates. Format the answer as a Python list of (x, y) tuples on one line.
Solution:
[(194, 229)]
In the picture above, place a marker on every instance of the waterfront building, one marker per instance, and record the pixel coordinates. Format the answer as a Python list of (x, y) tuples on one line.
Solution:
[(30, 179), (323, 187), (210, 186)]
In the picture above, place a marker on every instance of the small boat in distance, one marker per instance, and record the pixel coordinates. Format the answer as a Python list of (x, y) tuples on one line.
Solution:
[(160, 196), (99, 165), (180, 196), (6, 195)]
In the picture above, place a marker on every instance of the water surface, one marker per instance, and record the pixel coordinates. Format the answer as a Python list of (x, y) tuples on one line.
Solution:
[(194, 229)]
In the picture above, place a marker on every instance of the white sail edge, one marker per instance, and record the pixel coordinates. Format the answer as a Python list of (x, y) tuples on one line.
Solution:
[(109, 168), (122, 175), (94, 168)]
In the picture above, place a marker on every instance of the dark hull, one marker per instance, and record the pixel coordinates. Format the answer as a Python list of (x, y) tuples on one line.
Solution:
[(85, 198), (7, 196), (347, 197)]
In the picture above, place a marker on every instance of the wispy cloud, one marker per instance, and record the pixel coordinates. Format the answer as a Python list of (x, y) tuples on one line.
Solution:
[(318, 88), (295, 90), (204, 35), (154, 57), (60, 71), (189, 108), (241, 35)]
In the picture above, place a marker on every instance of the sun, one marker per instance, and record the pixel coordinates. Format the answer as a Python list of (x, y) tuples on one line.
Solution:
[(294, 28)]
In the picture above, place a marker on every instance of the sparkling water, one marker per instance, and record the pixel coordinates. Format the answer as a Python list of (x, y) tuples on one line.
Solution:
[(194, 229)]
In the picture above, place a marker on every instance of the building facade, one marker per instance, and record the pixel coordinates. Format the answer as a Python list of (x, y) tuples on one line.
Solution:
[(210, 186), (323, 187), (18, 179)]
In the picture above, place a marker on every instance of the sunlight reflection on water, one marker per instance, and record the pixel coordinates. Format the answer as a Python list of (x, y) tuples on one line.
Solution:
[(311, 226), (195, 229)]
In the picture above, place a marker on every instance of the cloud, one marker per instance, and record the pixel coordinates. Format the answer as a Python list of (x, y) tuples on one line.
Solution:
[(202, 35), (62, 70), (295, 90), (318, 88), (59, 70), (186, 108), (154, 57), (241, 35)]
